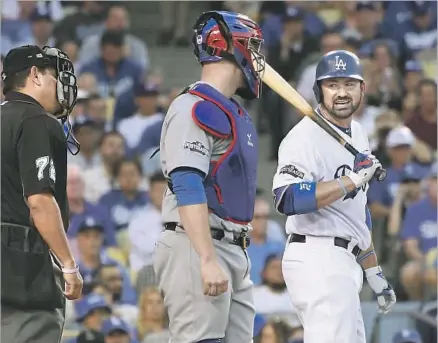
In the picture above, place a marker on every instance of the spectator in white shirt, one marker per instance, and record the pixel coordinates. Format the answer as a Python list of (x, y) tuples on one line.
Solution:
[(86, 132), (101, 178), (271, 297), (146, 99), (117, 20), (146, 226)]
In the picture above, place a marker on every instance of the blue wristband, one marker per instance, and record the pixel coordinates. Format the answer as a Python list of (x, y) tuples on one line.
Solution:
[(363, 257)]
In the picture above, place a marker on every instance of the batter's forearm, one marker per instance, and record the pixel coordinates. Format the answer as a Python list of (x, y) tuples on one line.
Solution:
[(330, 191), (368, 259), (306, 197), (47, 219), (194, 219)]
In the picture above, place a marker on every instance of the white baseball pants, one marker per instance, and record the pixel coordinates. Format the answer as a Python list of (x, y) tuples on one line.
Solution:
[(324, 282)]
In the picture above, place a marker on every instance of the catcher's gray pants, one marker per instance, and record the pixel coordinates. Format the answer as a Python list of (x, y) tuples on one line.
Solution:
[(194, 316), (32, 326)]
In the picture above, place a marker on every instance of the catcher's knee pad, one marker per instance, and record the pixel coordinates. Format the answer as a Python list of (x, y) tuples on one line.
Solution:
[(212, 340)]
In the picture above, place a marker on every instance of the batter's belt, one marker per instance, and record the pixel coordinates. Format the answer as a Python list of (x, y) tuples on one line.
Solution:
[(242, 239), (337, 241)]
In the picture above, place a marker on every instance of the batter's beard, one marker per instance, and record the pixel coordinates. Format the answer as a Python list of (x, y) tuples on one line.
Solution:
[(343, 114)]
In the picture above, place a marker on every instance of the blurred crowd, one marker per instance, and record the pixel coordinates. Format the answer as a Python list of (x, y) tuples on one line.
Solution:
[(115, 187)]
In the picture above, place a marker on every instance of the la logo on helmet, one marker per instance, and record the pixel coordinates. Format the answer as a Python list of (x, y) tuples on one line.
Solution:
[(340, 64)]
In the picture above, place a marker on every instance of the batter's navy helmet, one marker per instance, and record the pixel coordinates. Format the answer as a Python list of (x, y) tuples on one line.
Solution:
[(216, 31), (338, 63)]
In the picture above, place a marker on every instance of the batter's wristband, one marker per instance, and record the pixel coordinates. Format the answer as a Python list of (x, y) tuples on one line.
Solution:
[(364, 256), (70, 271), (342, 186)]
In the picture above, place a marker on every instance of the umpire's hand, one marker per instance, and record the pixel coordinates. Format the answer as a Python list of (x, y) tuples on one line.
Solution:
[(214, 277), (73, 285)]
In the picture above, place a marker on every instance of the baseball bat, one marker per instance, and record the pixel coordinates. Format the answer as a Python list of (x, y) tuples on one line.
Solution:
[(279, 85)]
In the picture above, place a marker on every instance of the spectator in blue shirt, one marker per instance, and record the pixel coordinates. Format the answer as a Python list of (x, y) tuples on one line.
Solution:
[(113, 282), (409, 192), (272, 26), (261, 245), (93, 261), (413, 73), (368, 21), (116, 330), (42, 30), (399, 144), (123, 203), (420, 32), (90, 252), (419, 235), (19, 29), (91, 310), (116, 74), (81, 209)]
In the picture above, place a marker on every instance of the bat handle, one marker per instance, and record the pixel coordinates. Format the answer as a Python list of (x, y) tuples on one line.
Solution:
[(380, 174)]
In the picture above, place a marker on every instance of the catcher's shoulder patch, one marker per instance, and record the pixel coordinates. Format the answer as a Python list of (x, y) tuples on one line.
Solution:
[(211, 118)]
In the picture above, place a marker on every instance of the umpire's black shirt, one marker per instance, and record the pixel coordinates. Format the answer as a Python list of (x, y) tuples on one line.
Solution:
[(34, 158)]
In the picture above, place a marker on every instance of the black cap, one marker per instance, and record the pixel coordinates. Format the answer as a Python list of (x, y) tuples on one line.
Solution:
[(38, 16), (83, 122), (24, 57), (293, 14), (116, 38), (421, 8), (366, 5), (90, 223), (145, 89)]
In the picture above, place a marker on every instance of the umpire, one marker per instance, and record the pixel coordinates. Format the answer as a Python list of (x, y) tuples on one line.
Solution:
[(37, 267)]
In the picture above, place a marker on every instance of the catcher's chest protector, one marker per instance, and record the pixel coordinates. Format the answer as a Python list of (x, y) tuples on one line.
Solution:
[(232, 179)]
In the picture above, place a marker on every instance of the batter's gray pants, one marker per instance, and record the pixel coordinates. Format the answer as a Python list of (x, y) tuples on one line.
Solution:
[(193, 316), (33, 326)]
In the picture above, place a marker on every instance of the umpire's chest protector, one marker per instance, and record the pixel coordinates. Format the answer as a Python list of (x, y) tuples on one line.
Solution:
[(232, 179)]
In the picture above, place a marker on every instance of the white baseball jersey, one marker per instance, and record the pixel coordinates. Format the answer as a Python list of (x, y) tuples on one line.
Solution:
[(309, 154)]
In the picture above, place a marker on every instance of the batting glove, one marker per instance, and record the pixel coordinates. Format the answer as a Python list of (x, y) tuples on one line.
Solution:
[(364, 168), (385, 294)]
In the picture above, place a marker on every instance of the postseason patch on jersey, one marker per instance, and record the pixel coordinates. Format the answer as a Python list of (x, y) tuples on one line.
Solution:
[(196, 146), (292, 170)]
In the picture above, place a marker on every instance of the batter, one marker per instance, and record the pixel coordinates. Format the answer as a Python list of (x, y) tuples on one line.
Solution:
[(322, 189)]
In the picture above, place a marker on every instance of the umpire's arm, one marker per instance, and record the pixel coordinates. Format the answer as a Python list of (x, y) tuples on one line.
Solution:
[(37, 172)]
